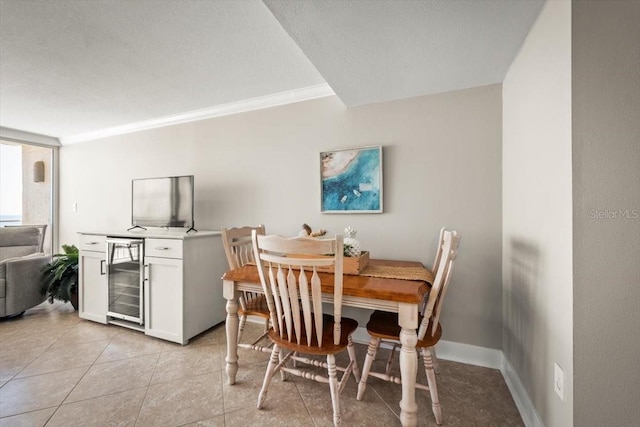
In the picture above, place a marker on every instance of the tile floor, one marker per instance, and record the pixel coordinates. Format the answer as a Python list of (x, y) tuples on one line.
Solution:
[(59, 370)]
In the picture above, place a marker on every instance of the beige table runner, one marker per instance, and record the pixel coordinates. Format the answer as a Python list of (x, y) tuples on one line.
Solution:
[(398, 272)]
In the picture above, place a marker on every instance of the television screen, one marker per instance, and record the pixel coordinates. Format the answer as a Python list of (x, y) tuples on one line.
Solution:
[(162, 202)]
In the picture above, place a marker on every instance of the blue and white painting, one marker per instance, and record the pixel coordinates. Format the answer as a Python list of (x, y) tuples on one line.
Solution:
[(352, 180)]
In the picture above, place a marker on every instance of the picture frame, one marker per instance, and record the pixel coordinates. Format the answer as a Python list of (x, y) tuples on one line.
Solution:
[(351, 180)]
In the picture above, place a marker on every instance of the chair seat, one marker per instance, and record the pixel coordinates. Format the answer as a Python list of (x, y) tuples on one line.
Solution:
[(384, 325), (255, 307), (327, 347)]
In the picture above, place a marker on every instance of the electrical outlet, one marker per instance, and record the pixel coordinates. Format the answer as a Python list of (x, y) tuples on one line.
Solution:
[(558, 381), (75, 207)]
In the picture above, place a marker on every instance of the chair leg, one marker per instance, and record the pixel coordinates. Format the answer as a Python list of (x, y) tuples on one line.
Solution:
[(352, 357), (242, 301), (271, 367), (333, 386), (435, 360), (433, 388), (283, 374), (390, 360), (243, 322), (368, 361)]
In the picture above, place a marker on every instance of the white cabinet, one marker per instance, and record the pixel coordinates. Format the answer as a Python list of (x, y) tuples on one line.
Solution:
[(163, 288), (92, 279), (183, 286), (182, 282)]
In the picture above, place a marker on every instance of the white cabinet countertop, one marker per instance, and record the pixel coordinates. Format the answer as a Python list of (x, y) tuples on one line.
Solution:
[(155, 233)]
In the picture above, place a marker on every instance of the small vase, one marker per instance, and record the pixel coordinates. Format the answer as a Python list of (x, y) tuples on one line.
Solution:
[(351, 244)]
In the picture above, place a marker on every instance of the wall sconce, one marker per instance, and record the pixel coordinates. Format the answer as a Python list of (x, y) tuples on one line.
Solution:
[(38, 171)]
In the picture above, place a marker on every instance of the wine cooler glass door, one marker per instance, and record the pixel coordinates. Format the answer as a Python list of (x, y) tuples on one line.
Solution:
[(124, 276)]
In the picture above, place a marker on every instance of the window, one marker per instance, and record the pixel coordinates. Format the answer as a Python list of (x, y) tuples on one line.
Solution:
[(25, 192)]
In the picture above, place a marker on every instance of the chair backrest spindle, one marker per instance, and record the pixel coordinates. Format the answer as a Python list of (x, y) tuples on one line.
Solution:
[(237, 245), (444, 285), (435, 265), (288, 269), (436, 261)]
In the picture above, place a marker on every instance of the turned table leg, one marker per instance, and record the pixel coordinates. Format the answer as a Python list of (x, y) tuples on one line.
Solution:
[(231, 327), (408, 319)]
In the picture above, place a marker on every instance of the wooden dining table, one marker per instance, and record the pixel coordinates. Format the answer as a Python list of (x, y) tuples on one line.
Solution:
[(392, 294)]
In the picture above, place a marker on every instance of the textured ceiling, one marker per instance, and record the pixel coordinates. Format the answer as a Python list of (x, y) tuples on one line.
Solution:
[(71, 67), (76, 66), (374, 51)]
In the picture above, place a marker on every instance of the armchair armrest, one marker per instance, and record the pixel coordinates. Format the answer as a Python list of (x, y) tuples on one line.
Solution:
[(23, 279)]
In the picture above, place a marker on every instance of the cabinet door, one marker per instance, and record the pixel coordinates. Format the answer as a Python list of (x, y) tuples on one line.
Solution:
[(92, 292), (164, 299)]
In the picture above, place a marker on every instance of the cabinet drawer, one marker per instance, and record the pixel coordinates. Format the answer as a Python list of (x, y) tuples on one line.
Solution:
[(91, 242), (163, 248)]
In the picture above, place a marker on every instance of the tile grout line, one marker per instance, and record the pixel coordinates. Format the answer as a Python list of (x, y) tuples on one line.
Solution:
[(79, 379), (29, 364), (73, 388), (306, 408), (32, 376), (369, 387), (146, 392)]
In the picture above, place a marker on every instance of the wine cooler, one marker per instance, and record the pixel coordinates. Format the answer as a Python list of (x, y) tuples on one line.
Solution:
[(125, 276)]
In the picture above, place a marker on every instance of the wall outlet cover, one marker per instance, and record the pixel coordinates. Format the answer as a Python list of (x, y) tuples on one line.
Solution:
[(558, 381)]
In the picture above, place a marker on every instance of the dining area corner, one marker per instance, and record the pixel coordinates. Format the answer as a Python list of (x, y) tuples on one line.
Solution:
[(296, 278)]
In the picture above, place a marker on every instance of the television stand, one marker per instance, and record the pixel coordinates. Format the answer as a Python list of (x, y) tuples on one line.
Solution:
[(134, 227)]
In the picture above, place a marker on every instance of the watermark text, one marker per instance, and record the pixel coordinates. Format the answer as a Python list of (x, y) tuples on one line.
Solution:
[(614, 214)]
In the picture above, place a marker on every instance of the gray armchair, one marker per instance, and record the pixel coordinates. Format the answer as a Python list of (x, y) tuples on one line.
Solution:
[(21, 266)]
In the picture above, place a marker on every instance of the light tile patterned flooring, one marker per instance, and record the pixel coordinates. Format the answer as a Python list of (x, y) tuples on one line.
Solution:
[(59, 370)]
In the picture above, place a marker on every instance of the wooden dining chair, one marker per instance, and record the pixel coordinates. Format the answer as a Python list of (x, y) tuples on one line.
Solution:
[(288, 269), (383, 326), (434, 269), (436, 261), (239, 250)]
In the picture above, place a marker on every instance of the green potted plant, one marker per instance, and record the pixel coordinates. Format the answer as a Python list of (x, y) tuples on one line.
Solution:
[(60, 276)]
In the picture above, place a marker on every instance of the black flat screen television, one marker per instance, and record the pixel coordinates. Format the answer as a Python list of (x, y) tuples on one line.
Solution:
[(162, 202)]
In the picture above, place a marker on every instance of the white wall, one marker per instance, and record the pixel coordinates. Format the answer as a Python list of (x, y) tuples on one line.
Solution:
[(537, 213), (606, 219), (442, 166)]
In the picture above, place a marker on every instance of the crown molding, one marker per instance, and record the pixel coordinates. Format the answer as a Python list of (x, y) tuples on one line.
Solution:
[(21, 136), (259, 103)]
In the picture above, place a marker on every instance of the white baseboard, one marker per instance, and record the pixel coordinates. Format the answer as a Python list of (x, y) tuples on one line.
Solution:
[(487, 358), (453, 351), (520, 396), (361, 336), (469, 354)]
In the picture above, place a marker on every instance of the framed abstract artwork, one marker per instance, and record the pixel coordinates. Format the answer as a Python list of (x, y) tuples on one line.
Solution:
[(351, 180)]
